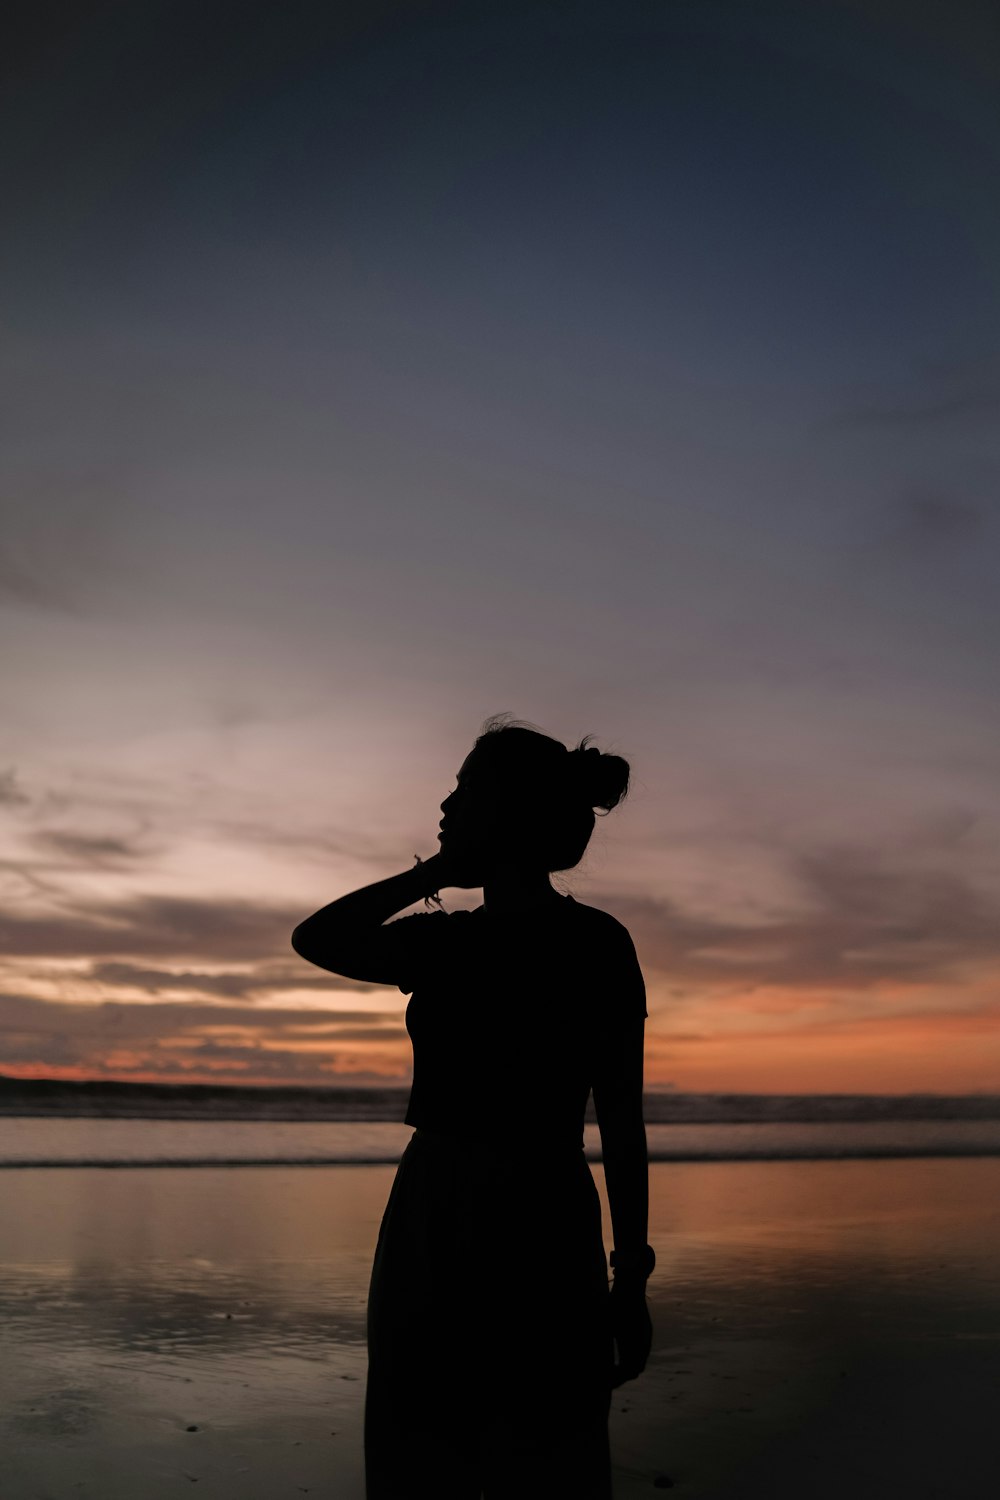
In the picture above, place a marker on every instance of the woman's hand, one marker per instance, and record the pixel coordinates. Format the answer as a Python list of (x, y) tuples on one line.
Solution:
[(632, 1328), (455, 867)]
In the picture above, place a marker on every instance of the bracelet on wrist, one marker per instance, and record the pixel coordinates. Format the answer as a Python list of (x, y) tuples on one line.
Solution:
[(633, 1265), (432, 898)]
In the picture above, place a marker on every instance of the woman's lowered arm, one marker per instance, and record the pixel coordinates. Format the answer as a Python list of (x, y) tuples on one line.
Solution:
[(617, 1086), (618, 1101)]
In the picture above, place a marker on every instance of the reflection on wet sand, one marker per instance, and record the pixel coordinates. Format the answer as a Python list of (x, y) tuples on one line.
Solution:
[(820, 1326)]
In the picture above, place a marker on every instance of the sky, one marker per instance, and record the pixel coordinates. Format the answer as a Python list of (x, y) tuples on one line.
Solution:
[(371, 369)]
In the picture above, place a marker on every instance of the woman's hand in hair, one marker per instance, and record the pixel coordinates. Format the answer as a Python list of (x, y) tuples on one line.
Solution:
[(455, 868)]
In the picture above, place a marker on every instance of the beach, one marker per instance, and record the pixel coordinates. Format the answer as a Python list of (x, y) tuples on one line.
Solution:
[(821, 1328)]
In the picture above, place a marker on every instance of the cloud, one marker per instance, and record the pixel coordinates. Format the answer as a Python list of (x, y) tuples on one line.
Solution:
[(859, 920), (981, 1016), (917, 413), (871, 933), (926, 523), (21, 585), (353, 843), (169, 1018), (88, 849), (184, 1039), (943, 391), (11, 794), (234, 985), (864, 923), (176, 929)]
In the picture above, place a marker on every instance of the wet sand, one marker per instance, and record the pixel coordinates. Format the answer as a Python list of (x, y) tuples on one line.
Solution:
[(822, 1329)]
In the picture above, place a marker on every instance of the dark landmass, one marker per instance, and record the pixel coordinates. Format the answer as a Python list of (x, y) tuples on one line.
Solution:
[(103, 1099), (193, 1101)]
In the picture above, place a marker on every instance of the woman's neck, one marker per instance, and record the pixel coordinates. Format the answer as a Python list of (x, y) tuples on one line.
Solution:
[(510, 889)]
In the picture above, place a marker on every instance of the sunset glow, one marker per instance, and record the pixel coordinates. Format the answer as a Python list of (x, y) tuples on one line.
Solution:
[(643, 384)]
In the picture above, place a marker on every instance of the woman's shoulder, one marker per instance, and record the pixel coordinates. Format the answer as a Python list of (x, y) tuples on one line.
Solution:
[(598, 918), (610, 955), (603, 929)]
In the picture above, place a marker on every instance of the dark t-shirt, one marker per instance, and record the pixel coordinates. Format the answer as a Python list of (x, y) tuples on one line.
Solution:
[(510, 1016)]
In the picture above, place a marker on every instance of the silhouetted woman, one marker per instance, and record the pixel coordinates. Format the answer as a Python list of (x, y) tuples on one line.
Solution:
[(491, 1330)]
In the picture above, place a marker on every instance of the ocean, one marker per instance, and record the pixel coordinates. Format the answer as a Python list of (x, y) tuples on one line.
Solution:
[(131, 1125), (46, 1142)]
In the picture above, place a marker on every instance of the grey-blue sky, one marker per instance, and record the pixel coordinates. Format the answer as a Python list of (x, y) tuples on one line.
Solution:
[(634, 367)]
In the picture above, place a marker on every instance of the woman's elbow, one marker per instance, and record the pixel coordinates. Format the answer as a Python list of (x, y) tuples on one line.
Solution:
[(325, 952), (306, 945)]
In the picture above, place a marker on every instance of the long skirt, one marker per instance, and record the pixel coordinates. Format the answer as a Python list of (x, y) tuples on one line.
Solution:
[(489, 1336)]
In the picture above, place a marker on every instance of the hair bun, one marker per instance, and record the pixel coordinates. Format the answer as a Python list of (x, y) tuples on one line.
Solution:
[(603, 779)]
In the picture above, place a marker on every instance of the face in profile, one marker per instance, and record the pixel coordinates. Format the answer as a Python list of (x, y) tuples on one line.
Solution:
[(477, 823)]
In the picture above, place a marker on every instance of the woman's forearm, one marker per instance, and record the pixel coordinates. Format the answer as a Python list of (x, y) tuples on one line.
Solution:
[(626, 1174), (369, 906)]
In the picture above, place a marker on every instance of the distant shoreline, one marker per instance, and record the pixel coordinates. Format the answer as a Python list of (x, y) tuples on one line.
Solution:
[(103, 1099)]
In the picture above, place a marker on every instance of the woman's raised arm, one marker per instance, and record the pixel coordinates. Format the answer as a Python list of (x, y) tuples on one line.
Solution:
[(348, 937)]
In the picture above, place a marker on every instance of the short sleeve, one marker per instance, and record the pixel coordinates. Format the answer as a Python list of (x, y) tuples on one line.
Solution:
[(629, 984), (413, 946), (621, 990), (616, 1041)]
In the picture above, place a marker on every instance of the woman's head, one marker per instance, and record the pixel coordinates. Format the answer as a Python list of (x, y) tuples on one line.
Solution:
[(524, 798)]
